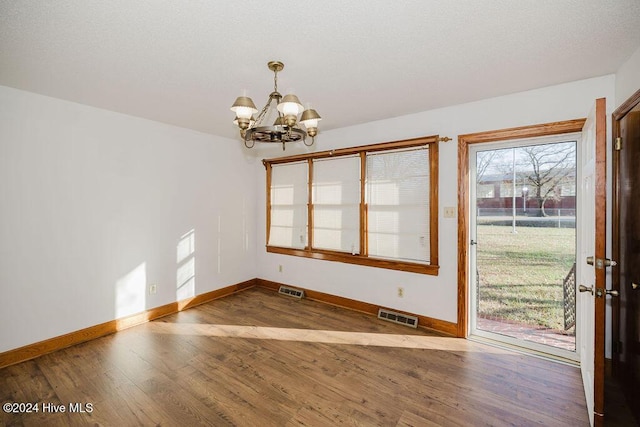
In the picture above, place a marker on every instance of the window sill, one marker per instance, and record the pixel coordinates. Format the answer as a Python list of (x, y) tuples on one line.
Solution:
[(358, 260)]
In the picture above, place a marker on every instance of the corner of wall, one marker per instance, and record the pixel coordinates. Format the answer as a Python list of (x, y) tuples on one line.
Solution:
[(627, 78)]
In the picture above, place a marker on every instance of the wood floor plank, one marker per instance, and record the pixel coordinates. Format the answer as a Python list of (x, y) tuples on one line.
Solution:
[(27, 384), (409, 419), (258, 358)]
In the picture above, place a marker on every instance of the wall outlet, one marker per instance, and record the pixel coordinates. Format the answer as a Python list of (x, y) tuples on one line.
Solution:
[(153, 289), (449, 212), (400, 291), (280, 268)]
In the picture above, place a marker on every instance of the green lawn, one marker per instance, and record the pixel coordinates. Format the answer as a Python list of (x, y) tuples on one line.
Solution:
[(521, 274)]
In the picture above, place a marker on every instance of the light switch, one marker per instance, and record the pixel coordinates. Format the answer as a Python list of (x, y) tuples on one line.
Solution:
[(449, 212)]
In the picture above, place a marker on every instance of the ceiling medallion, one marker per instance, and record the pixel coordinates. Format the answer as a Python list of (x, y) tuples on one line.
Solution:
[(284, 113)]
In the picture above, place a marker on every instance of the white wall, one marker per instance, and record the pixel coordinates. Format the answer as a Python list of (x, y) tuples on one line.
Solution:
[(628, 78), (433, 296), (94, 204), (93, 207)]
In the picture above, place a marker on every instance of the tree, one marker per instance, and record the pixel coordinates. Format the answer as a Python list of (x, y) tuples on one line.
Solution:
[(550, 165), (486, 160)]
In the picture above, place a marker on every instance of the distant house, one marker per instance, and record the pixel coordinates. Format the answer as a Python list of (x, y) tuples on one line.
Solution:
[(494, 194)]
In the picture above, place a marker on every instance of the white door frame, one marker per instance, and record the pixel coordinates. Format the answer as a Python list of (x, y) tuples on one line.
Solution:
[(474, 333)]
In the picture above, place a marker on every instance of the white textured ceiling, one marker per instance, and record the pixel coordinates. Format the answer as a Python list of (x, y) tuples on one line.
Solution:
[(184, 62)]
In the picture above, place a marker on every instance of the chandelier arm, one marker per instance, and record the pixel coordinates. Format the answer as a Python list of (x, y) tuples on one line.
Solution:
[(263, 113), (247, 140)]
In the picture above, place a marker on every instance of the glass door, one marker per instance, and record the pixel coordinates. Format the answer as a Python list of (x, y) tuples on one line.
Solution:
[(523, 253)]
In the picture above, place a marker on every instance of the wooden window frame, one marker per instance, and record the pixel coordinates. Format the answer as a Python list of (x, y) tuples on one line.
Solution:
[(363, 258)]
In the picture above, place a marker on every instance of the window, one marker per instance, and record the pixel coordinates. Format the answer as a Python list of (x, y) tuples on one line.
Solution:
[(486, 191), (506, 189), (398, 204), (336, 204), (374, 205), (289, 205), (568, 188)]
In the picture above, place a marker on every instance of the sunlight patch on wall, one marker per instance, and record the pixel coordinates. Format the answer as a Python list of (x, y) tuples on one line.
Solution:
[(186, 246), (130, 292), (186, 271)]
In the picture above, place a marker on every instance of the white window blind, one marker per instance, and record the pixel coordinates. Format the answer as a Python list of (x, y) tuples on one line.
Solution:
[(289, 198), (398, 204), (336, 204)]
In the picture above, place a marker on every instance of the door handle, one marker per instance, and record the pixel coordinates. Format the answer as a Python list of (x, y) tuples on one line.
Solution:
[(635, 286), (612, 292), (473, 242), (583, 288), (601, 263)]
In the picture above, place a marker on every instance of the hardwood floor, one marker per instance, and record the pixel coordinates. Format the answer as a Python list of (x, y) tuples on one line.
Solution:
[(260, 359)]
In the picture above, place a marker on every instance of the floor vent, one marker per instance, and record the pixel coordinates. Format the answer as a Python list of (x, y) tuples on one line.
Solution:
[(292, 292), (403, 319)]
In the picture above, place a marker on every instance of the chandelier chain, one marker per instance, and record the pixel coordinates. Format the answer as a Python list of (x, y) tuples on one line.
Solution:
[(263, 113), (275, 80)]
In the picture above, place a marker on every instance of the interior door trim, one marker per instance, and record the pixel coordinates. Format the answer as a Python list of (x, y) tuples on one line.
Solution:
[(625, 107), (545, 129), (616, 117)]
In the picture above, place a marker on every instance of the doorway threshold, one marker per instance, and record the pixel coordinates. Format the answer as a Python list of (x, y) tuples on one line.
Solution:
[(564, 340), (540, 354)]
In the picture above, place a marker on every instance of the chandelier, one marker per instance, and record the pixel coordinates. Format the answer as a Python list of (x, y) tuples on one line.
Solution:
[(284, 113)]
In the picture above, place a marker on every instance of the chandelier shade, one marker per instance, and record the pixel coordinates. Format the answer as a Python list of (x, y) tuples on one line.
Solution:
[(288, 112), (244, 107), (310, 119), (290, 105)]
